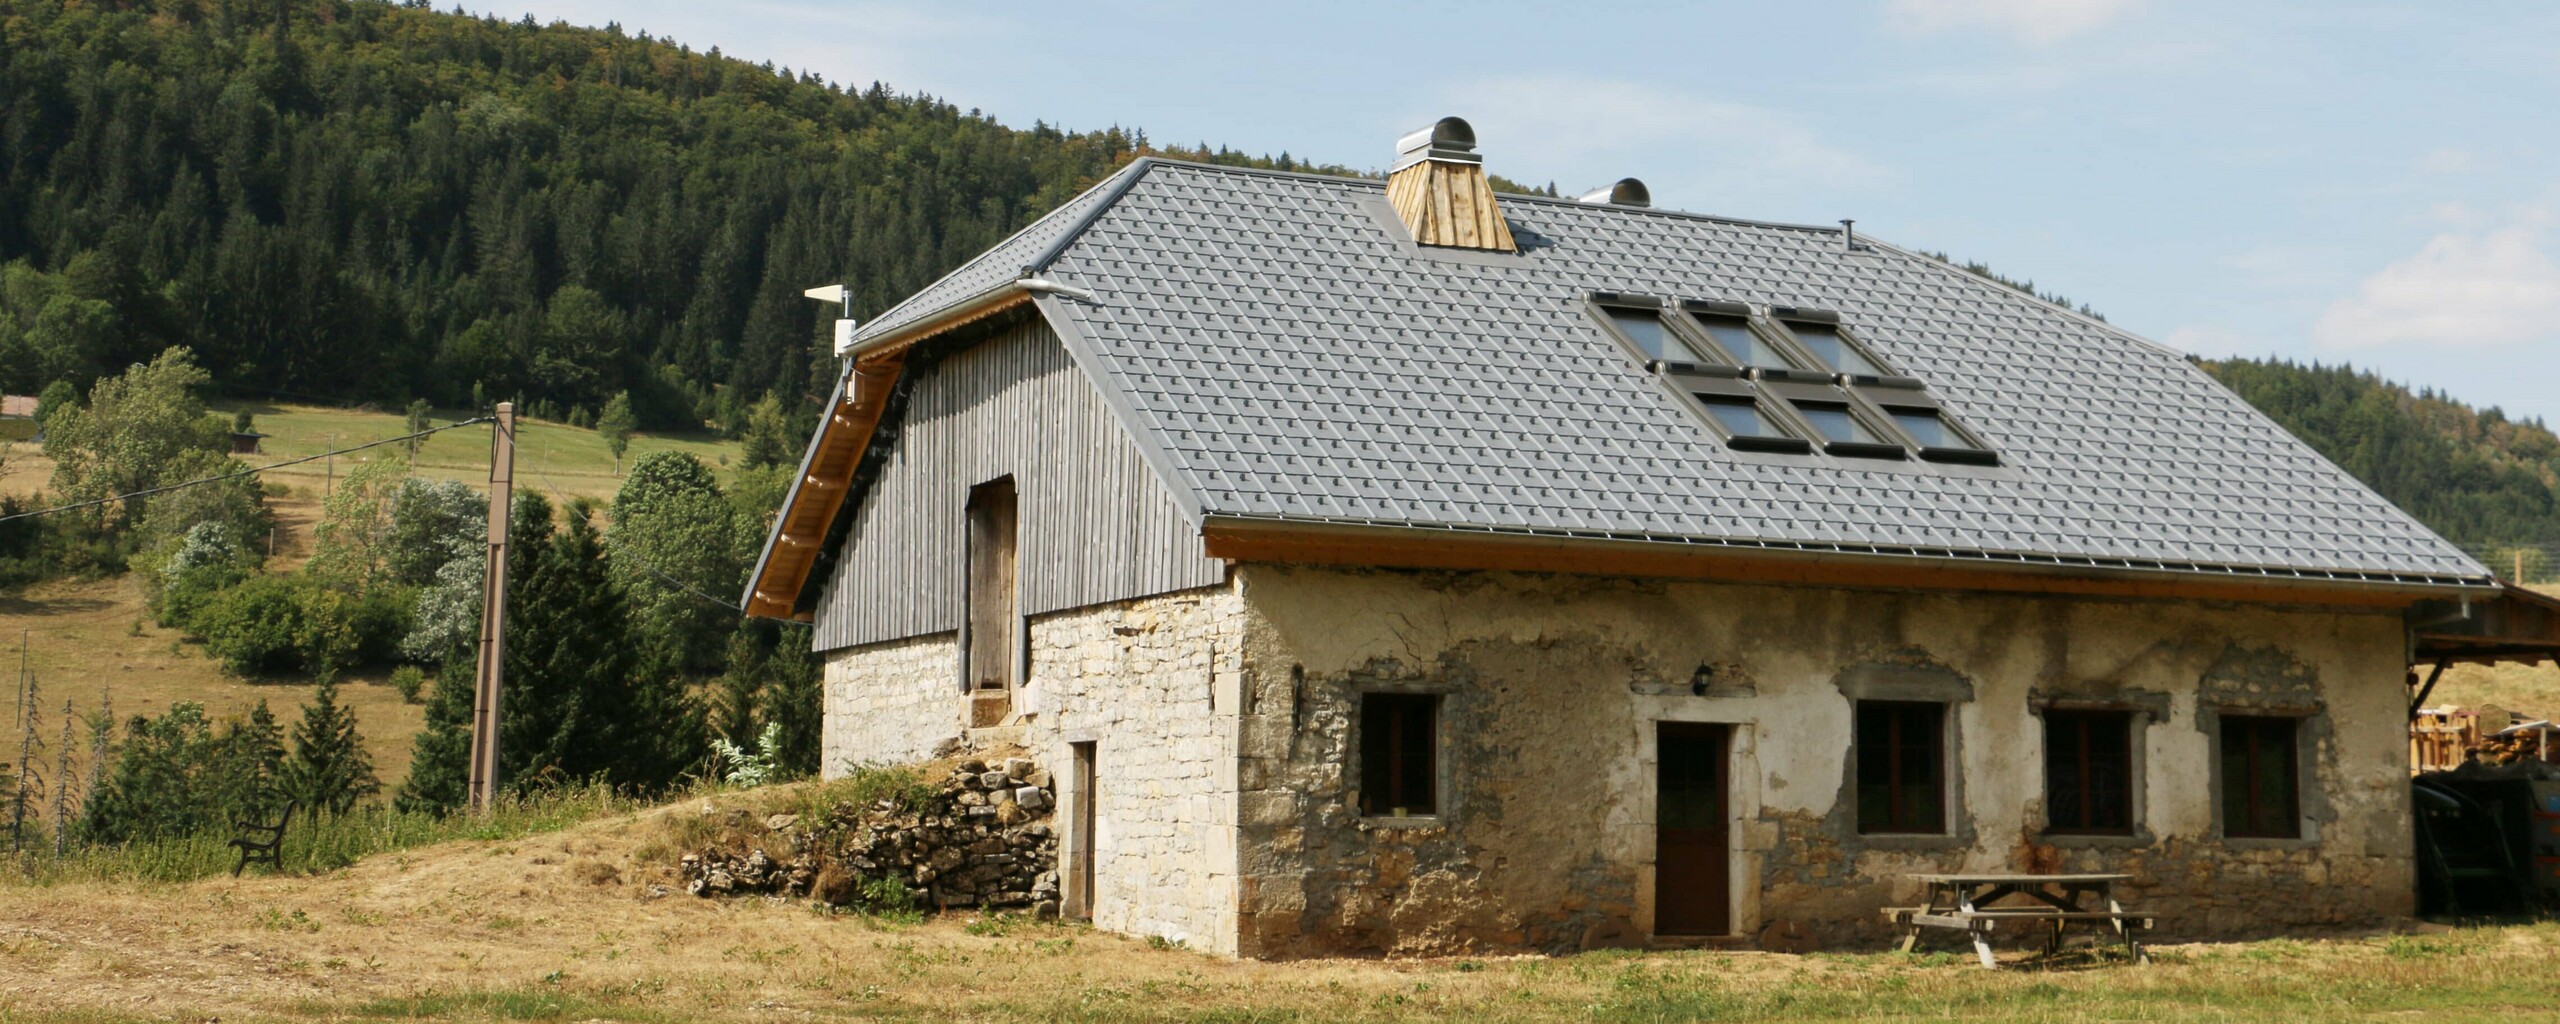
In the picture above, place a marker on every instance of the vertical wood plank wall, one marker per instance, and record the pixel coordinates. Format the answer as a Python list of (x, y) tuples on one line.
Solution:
[(1097, 526)]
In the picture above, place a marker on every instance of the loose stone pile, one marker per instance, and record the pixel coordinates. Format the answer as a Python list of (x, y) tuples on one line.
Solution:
[(982, 839)]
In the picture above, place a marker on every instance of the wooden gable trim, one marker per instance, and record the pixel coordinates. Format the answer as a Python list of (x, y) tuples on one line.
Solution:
[(1326, 544), (817, 498)]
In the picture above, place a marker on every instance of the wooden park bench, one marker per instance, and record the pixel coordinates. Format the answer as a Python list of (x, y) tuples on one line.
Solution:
[(1964, 903), (261, 842)]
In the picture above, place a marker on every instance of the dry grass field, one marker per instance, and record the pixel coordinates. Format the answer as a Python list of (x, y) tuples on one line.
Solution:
[(89, 640), (567, 926)]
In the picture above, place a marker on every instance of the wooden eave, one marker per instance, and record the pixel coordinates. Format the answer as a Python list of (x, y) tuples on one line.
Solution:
[(1411, 548), (817, 498), (2515, 625)]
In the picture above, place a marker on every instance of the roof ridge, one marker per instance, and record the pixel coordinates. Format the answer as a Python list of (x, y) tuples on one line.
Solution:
[(1132, 171)]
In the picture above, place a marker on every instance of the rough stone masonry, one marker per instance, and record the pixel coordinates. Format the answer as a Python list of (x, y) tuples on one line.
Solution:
[(982, 840)]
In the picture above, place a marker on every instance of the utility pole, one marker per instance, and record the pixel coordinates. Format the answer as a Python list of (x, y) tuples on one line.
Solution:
[(493, 613)]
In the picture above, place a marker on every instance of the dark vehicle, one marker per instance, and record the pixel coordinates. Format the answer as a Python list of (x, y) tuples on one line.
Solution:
[(2465, 866)]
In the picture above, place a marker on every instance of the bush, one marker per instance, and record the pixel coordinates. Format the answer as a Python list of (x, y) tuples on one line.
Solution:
[(275, 625), (207, 561), (408, 681), (256, 627)]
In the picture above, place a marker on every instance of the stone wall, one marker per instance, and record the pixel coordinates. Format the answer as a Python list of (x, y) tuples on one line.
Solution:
[(1152, 683), (891, 702), (1552, 687)]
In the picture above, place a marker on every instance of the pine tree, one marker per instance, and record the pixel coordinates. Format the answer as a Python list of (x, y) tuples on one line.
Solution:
[(440, 756), (330, 769)]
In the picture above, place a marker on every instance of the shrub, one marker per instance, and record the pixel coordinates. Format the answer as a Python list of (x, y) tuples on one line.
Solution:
[(207, 561), (269, 625), (408, 681), (256, 627)]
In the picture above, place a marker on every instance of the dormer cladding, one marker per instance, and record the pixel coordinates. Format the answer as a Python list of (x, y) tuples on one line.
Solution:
[(1440, 192)]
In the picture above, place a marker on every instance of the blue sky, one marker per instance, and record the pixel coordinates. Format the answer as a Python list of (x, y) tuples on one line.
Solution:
[(2368, 182)]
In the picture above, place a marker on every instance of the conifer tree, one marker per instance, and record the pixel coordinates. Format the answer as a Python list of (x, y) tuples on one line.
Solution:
[(330, 769), (440, 755)]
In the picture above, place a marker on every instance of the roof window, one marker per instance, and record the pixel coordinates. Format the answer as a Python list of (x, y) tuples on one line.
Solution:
[(1644, 328), (1920, 418), (1849, 432), (1750, 427), (1836, 352), (1728, 324), (1788, 381)]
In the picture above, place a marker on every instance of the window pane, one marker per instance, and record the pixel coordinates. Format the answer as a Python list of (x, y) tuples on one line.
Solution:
[(1825, 342), (1835, 422), (1901, 770), (1925, 427), (2260, 790), (1647, 330), (1737, 338), (1740, 417), (2064, 809), (1397, 740), (2089, 771)]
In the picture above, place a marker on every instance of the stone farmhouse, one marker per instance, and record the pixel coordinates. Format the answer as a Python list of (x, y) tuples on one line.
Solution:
[(1406, 568)]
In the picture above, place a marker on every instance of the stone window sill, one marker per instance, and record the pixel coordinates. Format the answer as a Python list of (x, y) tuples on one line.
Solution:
[(1911, 841), (2099, 841), (1407, 821)]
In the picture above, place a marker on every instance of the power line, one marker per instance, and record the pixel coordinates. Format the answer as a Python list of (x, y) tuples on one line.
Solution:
[(252, 471)]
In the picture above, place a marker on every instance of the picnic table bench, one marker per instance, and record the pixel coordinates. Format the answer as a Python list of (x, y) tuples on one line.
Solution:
[(1964, 902)]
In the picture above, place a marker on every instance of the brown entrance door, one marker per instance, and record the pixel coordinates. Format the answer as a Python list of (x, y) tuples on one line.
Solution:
[(1079, 895), (1692, 881)]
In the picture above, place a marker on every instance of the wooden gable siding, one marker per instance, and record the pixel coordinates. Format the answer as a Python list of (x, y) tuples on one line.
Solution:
[(1096, 524)]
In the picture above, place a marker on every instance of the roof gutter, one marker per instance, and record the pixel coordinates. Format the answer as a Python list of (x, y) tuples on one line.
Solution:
[(1250, 538)]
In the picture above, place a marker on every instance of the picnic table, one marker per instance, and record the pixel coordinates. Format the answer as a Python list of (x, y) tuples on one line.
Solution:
[(1973, 904)]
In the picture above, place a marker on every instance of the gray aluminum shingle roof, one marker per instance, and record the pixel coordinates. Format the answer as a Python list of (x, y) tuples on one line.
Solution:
[(1285, 356)]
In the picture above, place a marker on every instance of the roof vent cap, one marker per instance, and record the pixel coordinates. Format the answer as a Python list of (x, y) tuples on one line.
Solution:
[(1625, 192), (1449, 139)]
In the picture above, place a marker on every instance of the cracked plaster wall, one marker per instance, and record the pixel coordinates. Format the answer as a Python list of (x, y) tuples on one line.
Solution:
[(1553, 684)]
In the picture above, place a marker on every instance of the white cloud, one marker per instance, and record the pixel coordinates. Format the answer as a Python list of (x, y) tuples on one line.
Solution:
[(2460, 291), (2035, 21), (1587, 132)]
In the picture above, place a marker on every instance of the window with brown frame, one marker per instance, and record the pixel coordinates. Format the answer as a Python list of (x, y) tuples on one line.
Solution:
[(1901, 754), (2088, 772), (1398, 766), (2261, 794)]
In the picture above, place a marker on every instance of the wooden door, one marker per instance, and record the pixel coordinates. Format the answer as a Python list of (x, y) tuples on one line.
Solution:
[(1080, 846), (990, 638), (1692, 880)]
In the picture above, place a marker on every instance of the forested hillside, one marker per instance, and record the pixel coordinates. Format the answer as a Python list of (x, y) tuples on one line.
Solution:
[(2474, 475), (337, 200)]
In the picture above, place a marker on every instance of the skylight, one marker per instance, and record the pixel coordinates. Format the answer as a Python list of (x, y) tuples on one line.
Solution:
[(1737, 337), (1645, 328), (1923, 425), (1835, 422), (1825, 342), (1786, 380)]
